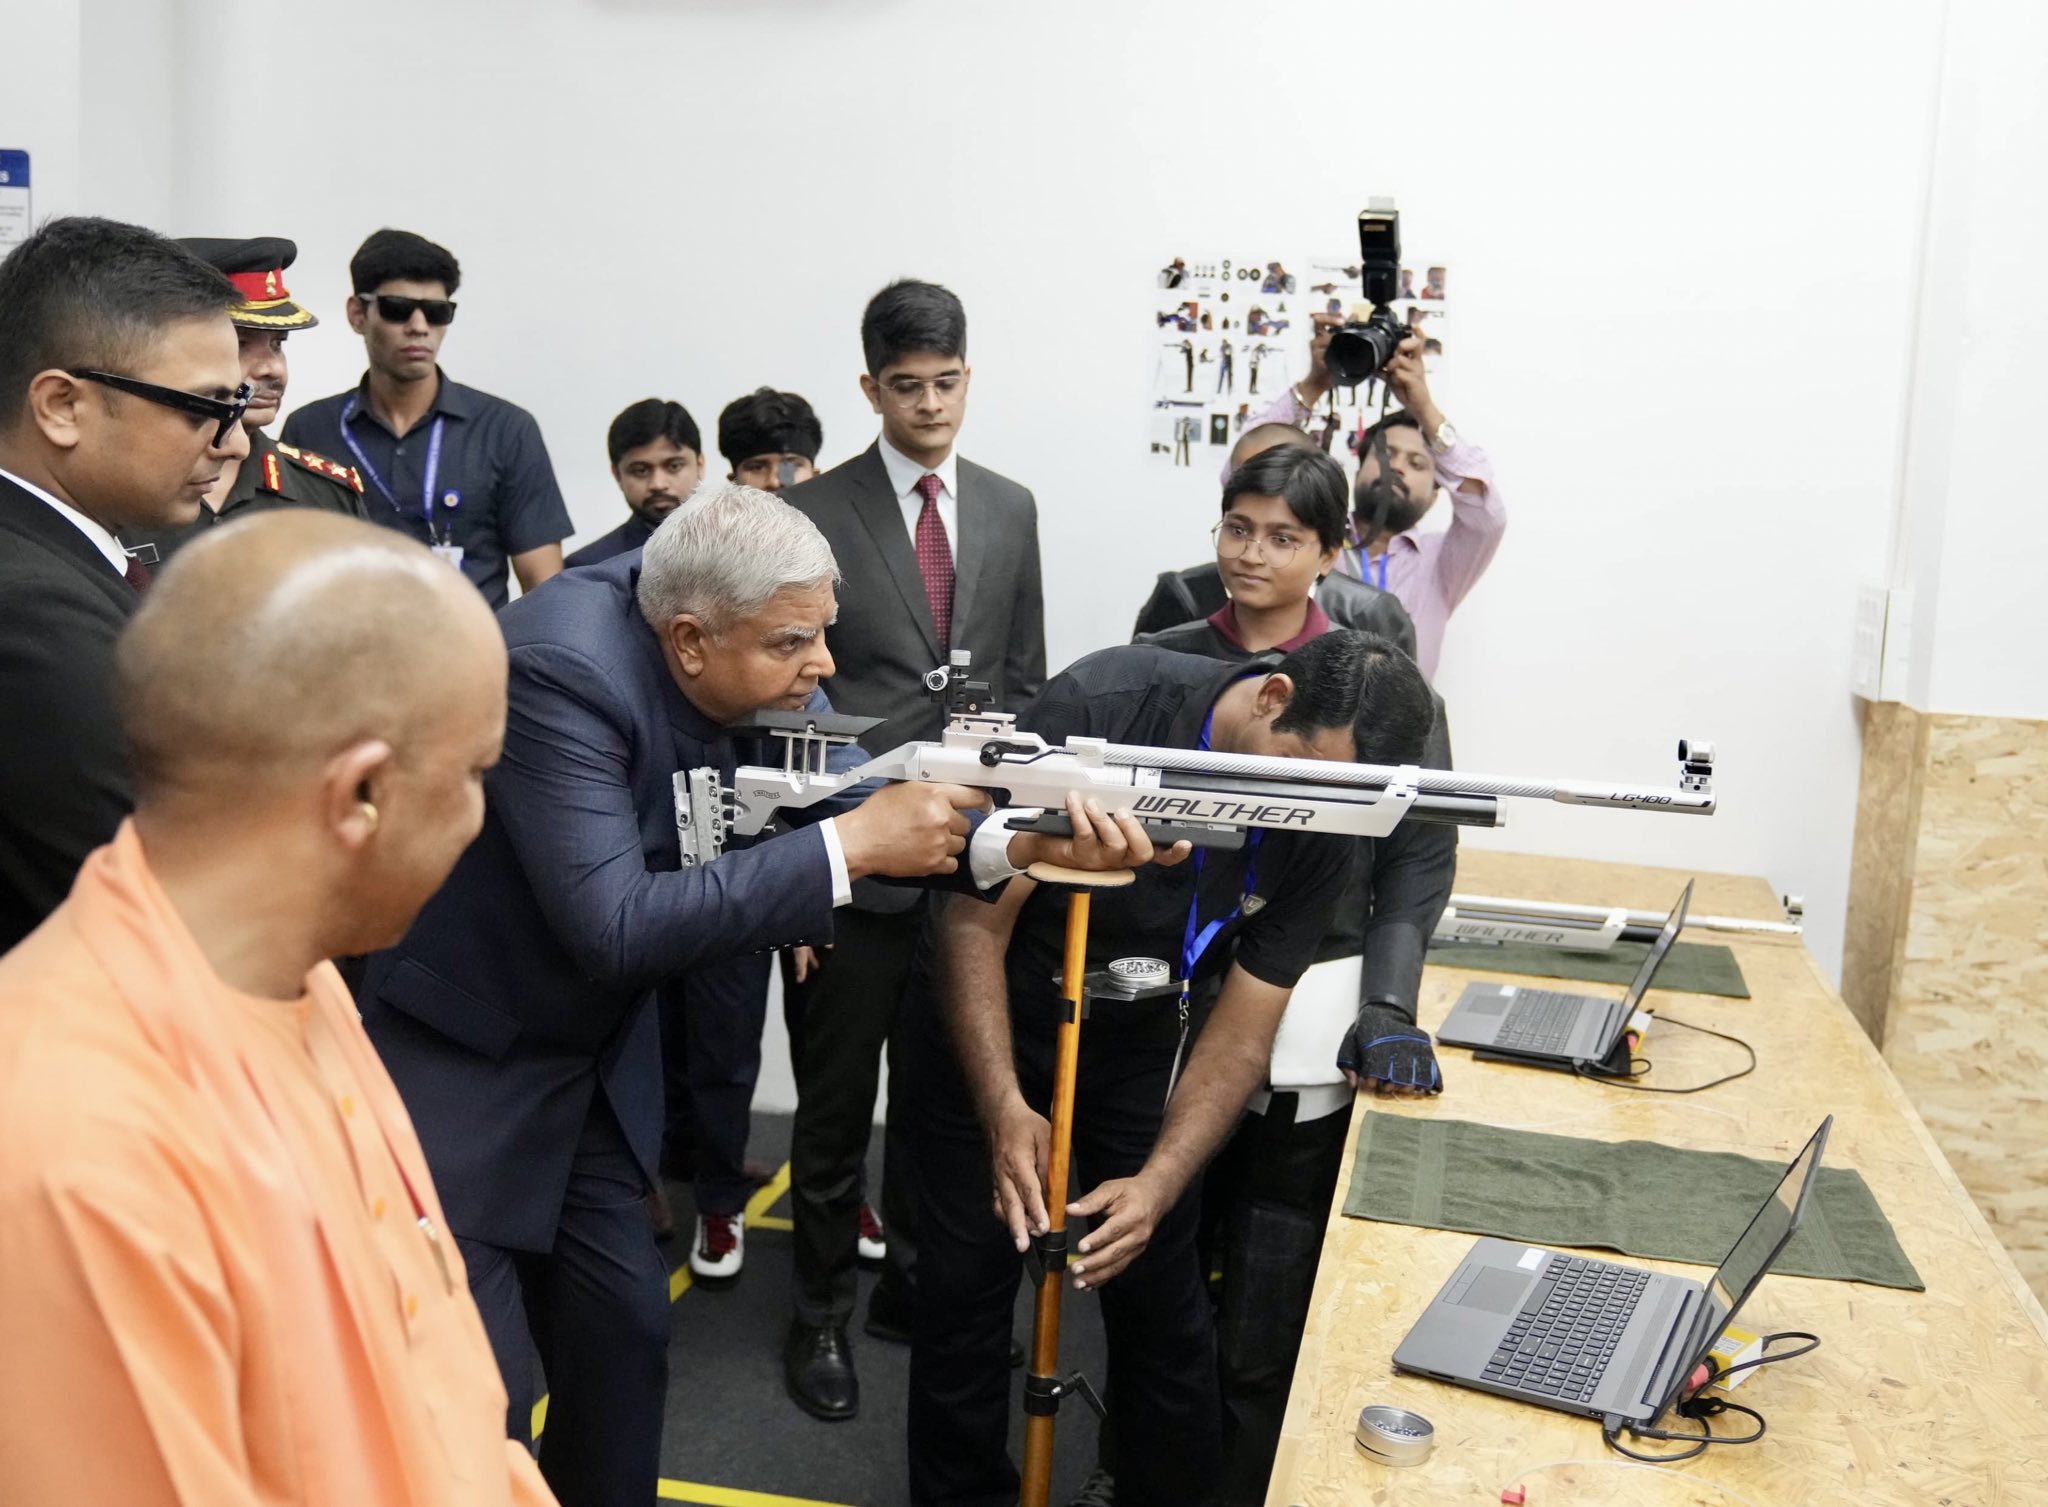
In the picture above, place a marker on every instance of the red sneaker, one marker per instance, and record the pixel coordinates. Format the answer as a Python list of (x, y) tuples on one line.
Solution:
[(874, 1241), (720, 1247)]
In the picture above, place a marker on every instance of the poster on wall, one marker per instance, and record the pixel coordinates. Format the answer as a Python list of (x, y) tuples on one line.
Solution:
[(1232, 338), (15, 219)]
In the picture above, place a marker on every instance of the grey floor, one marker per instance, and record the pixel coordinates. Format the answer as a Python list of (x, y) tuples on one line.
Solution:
[(733, 1429)]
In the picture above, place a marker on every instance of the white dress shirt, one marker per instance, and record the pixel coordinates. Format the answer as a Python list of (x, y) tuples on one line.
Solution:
[(988, 853), (904, 475), (102, 540)]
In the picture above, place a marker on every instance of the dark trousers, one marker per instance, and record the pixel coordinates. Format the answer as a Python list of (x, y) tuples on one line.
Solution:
[(711, 1023), (595, 1311), (841, 1021), (1267, 1197), (1162, 1363)]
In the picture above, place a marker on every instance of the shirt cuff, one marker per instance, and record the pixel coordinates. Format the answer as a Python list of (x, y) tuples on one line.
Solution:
[(988, 855), (835, 854), (1462, 462)]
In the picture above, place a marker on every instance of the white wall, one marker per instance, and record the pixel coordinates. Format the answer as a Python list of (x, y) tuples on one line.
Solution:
[(1975, 534), (1684, 239), (39, 101)]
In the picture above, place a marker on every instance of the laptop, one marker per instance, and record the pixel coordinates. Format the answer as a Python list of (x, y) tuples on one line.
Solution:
[(1583, 1336), (1546, 1028)]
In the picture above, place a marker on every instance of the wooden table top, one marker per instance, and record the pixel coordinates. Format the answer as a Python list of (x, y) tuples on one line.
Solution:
[(1929, 1399)]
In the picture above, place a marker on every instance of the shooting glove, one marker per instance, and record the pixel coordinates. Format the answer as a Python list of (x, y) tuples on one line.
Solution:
[(1386, 1045)]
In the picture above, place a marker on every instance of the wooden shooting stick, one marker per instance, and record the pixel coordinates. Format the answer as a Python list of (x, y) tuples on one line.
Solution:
[(1045, 1321)]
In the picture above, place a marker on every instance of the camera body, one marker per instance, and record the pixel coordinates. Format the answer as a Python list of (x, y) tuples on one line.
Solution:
[(1359, 348)]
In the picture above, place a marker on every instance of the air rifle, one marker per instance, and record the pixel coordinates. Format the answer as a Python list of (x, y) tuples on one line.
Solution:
[(1210, 799)]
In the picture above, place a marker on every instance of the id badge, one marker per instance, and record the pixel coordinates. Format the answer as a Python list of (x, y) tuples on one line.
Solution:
[(452, 553)]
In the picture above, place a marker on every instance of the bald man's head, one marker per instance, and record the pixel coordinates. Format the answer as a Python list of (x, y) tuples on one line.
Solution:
[(278, 641), (1263, 437), (329, 685)]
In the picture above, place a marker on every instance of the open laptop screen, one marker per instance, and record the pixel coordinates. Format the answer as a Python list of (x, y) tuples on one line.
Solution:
[(1751, 1256), (1654, 958)]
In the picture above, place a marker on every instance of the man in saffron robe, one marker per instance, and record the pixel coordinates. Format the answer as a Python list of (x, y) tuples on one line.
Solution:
[(224, 1279)]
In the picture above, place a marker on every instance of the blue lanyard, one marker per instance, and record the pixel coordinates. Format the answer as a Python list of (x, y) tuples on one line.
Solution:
[(1196, 939), (433, 471), (1365, 566)]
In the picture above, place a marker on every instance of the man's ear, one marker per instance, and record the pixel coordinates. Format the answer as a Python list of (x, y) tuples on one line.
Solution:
[(354, 789), (54, 402), (1326, 564), (358, 312), (872, 391), (1272, 696), (690, 641)]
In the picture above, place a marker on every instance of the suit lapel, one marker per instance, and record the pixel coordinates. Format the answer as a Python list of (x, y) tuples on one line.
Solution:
[(967, 549), (875, 504), (27, 516)]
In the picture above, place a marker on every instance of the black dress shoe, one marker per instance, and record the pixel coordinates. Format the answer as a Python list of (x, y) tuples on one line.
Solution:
[(817, 1367)]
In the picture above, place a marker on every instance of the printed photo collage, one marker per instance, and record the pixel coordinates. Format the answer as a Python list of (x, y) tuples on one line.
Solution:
[(1233, 336)]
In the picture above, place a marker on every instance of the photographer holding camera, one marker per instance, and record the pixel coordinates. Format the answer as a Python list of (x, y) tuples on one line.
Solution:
[(1429, 574)]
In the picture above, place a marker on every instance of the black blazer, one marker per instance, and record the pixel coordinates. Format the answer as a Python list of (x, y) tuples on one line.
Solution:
[(884, 641), (523, 989), (1185, 596), (64, 783)]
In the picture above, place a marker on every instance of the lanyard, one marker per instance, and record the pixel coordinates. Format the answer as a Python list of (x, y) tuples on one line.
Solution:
[(1196, 938), (1364, 564), (427, 480)]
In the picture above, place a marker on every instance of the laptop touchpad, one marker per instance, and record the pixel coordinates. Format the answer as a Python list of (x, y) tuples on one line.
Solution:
[(1496, 1291), (1488, 1004)]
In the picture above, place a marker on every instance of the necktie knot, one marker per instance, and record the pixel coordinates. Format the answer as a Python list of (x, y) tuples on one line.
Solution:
[(928, 487), (136, 575)]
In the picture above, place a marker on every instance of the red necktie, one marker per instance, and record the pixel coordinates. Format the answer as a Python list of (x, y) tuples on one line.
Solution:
[(935, 560), (136, 575)]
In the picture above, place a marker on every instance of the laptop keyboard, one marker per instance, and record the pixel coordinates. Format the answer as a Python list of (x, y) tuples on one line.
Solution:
[(1540, 1021), (1562, 1339)]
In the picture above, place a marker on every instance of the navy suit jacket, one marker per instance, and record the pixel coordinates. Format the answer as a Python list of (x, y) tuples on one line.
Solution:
[(630, 535), (523, 990)]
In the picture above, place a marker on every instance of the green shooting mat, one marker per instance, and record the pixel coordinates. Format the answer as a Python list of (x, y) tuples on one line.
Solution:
[(1623, 1196), (1692, 968)]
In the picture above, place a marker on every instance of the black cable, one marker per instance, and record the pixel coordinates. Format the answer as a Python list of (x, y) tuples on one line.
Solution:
[(1703, 1408), (1641, 1065)]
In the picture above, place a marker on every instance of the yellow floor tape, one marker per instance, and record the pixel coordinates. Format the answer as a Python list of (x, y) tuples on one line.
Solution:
[(726, 1496)]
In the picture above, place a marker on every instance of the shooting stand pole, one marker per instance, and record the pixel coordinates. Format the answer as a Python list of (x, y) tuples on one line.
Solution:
[(1043, 1387)]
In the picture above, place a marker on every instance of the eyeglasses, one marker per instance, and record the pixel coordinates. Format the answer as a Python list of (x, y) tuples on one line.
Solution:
[(1233, 539), (395, 310), (225, 412), (907, 392)]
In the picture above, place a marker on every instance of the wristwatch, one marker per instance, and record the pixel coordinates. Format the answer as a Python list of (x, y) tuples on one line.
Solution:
[(1444, 438)]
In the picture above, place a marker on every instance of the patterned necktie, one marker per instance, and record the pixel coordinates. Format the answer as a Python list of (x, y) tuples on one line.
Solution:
[(136, 575), (935, 560)]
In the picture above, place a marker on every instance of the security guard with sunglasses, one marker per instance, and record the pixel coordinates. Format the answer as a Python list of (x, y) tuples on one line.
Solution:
[(272, 475), (463, 472)]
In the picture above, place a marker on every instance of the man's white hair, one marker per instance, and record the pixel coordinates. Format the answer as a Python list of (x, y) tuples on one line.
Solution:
[(723, 553)]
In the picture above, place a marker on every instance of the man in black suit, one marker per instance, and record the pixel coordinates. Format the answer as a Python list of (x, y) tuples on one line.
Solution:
[(120, 383), (516, 1016), (937, 554), (657, 460)]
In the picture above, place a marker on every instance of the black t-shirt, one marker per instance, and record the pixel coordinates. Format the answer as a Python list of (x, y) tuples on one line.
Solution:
[(1142, 695)]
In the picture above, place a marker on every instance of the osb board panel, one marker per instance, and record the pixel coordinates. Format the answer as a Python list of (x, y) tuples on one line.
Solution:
[(1881, 862), (1969, 1028), (1914, 1398)]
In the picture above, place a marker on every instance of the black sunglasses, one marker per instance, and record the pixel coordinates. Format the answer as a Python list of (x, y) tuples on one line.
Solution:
[(395, 310), (225, 412)]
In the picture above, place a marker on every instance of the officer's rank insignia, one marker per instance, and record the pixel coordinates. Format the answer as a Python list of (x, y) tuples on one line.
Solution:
[(273, 477)]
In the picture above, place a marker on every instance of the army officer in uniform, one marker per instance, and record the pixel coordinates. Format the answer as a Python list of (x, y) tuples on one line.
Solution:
[(272, 475)]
